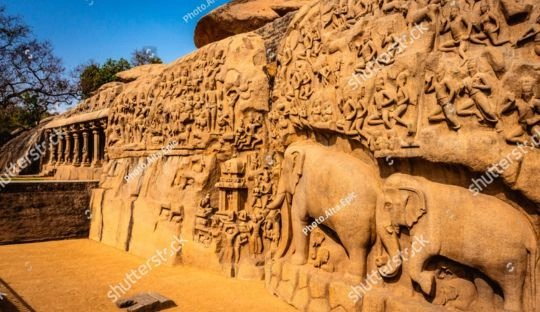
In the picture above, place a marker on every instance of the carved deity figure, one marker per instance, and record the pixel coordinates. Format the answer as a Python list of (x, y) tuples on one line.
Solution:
[(478, 86), (211, 99), (527, 106), (488, 27), (202, 220), (384, 102), (347, 108), (404, 99), (444, 87), (460, 30)]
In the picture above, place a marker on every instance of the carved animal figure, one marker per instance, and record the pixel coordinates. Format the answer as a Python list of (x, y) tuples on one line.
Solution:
[(313, 180), (479, 231)]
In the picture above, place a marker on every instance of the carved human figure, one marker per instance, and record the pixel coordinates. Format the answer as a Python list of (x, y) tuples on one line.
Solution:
[(384, 102), (360, 8), (404, 99), (262, 191), (477, 85), (255, 225), (361, 107), (445, 93), (527, 106), (460, 30), (489, 27), (400, 6), (421, 10), (231, 254), (533, 32), (339, 15), (347, 108), (366, 53)]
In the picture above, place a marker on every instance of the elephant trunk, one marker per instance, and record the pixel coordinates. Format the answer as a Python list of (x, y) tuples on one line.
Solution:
[(277, 202), (389, 264)]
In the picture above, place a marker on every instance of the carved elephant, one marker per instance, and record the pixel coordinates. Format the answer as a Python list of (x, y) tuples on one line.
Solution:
[(313, 180), (479, 231)]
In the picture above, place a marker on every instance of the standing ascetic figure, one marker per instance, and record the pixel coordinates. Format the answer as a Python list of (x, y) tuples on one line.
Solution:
[(315, 179), (478, 231)]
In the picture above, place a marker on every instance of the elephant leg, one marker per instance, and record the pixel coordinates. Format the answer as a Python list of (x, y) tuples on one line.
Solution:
[(357, 263), (512, 284), (300, 235), (417, 273)]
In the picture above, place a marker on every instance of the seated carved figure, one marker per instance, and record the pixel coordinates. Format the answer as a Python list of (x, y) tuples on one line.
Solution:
[(478, 87), (488, 27), (528, 109)]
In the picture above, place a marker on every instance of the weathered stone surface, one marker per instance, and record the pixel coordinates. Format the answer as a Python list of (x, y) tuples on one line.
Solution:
[(43, 211), (240, 16), (375, 142), (318, 287)]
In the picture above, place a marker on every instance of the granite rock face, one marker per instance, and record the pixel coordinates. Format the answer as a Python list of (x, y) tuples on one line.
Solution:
[(357, 155)]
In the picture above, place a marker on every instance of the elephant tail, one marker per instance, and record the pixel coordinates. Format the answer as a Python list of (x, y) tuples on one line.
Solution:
[(286, 228), (533, 266)]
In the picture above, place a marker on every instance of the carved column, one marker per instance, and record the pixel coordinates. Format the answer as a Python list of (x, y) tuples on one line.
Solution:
[(60, 146), (76, 146), (52, 147), (95, 131), (103, 123), (85, 146), (67, 150)]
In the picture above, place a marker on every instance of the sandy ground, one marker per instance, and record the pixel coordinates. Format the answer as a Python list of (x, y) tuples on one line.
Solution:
[(74, 275)]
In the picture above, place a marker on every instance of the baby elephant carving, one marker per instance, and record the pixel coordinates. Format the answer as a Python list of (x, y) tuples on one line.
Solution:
[(478, 231)]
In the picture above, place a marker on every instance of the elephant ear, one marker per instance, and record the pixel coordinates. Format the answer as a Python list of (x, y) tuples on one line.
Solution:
[(415, 205), (297, 168)]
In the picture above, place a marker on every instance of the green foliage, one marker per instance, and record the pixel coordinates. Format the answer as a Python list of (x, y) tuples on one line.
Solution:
[(92, 76)]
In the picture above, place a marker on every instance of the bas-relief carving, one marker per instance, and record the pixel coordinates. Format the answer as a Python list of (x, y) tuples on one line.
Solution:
[(371, 80), (203, 103), (473, 70)]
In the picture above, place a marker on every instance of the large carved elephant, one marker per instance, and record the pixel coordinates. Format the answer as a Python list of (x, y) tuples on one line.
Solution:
[(479, 231), (315, 179)]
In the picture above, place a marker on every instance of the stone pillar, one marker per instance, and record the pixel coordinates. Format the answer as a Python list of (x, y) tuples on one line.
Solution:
[(67, 150), (103, 123), (60, 146), (76, 146), (85, 146), (97, 145), (52, 147)]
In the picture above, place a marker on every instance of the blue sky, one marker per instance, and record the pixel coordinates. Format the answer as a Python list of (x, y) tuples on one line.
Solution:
[(81, 30)]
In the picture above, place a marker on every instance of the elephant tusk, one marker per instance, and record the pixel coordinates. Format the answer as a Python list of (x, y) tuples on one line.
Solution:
[(385, 274)]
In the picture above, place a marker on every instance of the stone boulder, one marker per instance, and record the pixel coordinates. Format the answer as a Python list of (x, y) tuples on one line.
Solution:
[(241, 16)]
